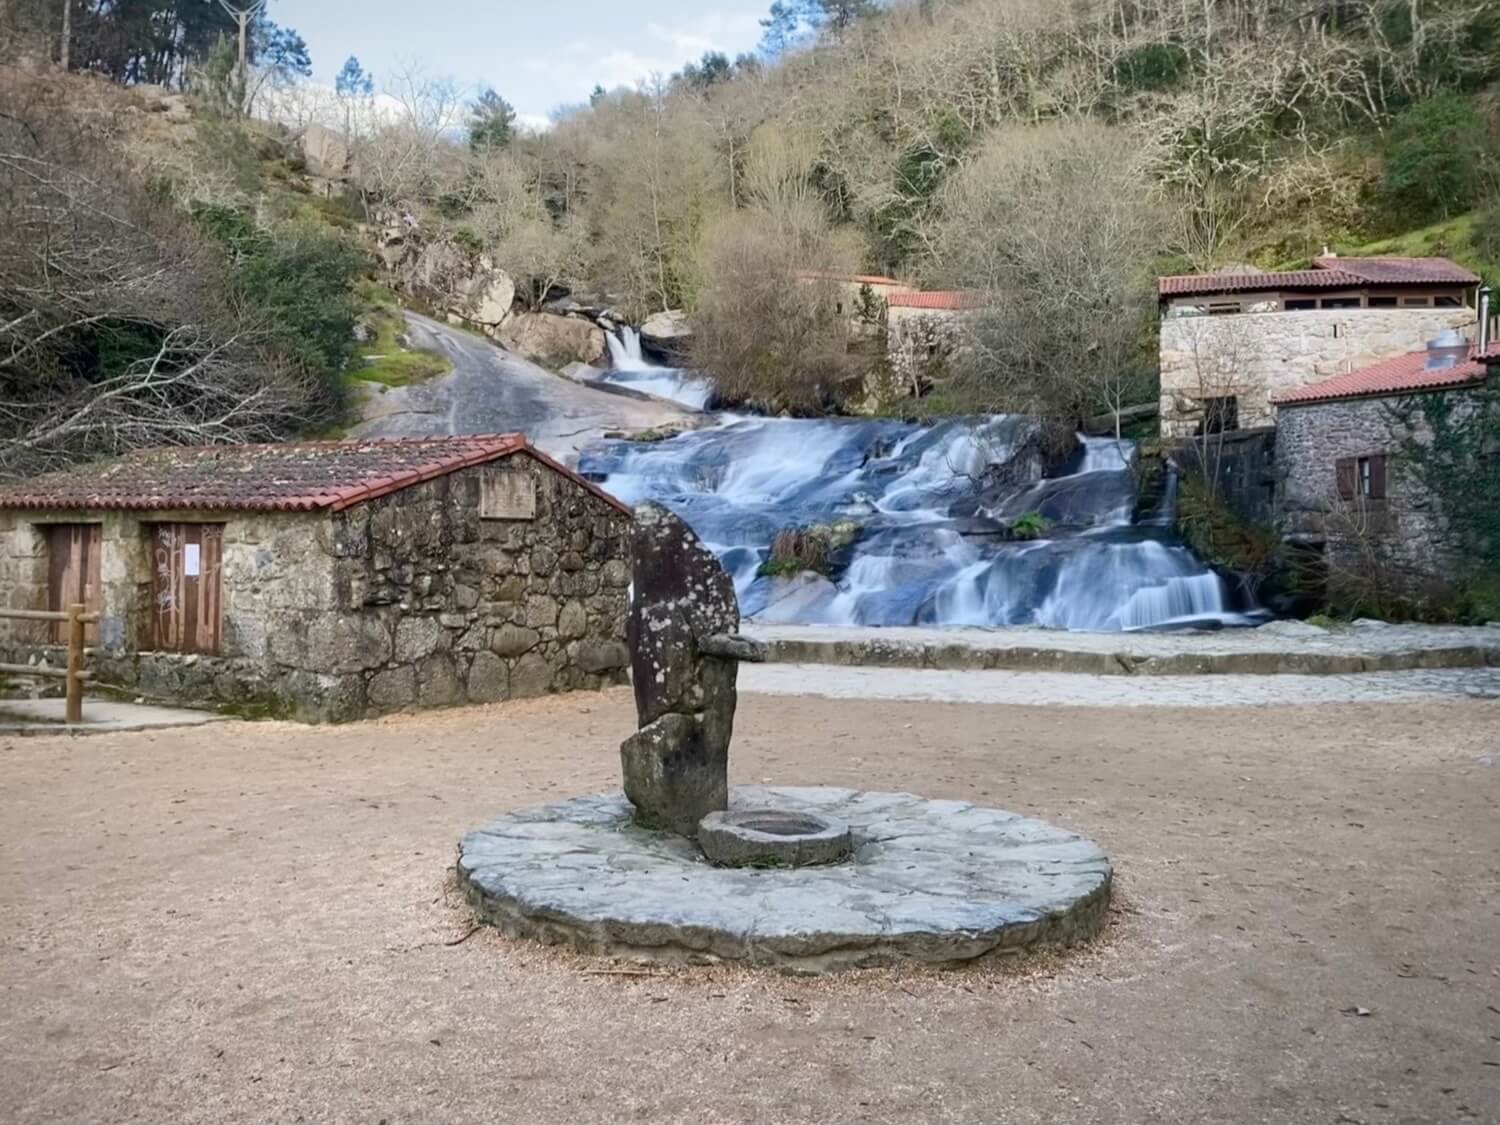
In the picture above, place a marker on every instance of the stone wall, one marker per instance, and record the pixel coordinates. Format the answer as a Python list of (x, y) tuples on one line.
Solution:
[(1405, 531), (411, 600), (1256, 356), (1246, 464), (922, 344)]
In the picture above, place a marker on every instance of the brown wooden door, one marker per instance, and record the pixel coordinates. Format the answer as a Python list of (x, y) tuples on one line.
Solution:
[(73, 574), (187, 559)]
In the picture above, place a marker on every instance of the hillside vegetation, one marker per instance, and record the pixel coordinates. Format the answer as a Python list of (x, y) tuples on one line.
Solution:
[(1055, 154)]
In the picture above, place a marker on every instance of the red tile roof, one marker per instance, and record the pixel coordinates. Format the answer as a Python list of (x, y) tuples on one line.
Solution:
[(1194, 284), (290, 477), (1327, 273), (940, 299), (1402, 375), (1400, 271), (859, 278)]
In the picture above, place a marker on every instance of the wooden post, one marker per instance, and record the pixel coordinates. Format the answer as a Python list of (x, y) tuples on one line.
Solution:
[(74, 713)]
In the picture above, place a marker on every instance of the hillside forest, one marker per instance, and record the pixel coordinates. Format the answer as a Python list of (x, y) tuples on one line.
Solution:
[(182, 275)]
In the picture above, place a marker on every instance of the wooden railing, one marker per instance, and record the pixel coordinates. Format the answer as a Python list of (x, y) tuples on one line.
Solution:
[(75, 618)]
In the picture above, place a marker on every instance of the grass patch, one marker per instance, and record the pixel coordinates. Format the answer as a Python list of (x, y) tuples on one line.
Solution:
[(781, 568), (1032, 525), (1457, 238), (386, 362)]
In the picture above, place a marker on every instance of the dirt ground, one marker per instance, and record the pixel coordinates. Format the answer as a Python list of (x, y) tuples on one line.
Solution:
[(253, 923)]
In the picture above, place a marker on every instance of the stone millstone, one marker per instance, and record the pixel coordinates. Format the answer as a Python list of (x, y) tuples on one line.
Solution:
[(676, 766), (932, 882), (773, 838)]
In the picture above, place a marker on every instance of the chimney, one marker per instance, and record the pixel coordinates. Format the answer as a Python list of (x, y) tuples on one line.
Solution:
[(1449, 349), (1482, 338)]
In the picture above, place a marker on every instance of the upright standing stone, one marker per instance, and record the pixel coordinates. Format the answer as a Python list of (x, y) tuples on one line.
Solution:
[(684, 654)]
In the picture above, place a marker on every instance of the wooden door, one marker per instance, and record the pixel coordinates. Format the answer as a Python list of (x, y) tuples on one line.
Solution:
[(187, 559), (73, 551)]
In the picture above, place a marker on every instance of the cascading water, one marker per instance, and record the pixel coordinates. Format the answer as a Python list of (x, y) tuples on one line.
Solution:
[(932, 507), (629, 368)]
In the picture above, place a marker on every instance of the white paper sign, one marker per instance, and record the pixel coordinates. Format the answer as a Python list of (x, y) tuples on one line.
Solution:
[(192, 565)]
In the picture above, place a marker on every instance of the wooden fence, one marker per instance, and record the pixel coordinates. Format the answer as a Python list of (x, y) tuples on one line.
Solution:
[(75, 675)]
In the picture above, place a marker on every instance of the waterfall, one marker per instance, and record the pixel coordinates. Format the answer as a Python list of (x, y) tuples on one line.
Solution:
[(630, 368), (933, 545), (625, 350)]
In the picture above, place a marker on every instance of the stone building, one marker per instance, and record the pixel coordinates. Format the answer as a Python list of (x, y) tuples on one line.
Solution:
[(852, 288), (1231, 343), (1343, 488), (925, 332), (327, 580)]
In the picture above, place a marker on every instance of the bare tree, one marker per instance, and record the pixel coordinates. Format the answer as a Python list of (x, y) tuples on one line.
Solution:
[(65, 47), (1057, 224), (117, 329), (1216, 360)]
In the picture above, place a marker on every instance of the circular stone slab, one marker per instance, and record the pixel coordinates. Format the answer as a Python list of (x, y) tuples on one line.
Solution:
[(928, 881), (773, 838)]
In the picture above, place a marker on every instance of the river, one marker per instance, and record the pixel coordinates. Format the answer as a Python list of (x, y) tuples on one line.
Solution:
[(930, 508)]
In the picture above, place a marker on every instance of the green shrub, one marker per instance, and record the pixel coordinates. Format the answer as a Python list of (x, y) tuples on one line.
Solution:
[(1032, 525), (1435, 157), (300, 276), (1152, 66)]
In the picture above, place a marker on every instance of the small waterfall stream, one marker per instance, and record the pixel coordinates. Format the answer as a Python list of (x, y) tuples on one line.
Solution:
[(629, 368), (932, 506)]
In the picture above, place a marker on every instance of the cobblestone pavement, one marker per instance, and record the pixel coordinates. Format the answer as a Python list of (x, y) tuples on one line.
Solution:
[(1070, 689)]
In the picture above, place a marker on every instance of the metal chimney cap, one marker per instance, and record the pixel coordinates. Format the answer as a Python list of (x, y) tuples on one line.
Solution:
[(1446, 350)]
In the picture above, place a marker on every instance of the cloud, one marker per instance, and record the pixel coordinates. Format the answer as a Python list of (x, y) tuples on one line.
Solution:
[(574, 69)]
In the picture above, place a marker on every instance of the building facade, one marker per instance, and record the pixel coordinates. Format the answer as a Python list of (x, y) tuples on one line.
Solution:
[(1232, 343), (1345, 487), (327, 581), (926, 333)]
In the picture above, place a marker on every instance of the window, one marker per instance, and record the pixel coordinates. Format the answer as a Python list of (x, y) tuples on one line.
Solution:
[(187, 559), (1339, 303), (1224, 308), (73, 574), (1362, 478), (1298, 304), (1221, 414), (1447, 303), (1381, 303), (1416, 302)]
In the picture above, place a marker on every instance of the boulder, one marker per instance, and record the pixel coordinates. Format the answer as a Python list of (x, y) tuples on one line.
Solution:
[(668, 330), (489, 298), (554, 339), (684, 652), (325, 152), (793, 599)]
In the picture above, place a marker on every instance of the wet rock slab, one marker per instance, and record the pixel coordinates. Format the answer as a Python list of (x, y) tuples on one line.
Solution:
[(934, 882)]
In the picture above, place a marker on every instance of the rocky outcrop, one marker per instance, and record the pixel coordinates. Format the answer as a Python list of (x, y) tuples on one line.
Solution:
[(667, 332), (324, 151), (681, 630), (558, 340), (489, 297)]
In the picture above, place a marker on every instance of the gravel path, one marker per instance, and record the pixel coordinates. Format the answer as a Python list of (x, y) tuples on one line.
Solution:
[(492, 390), (1073, 690), (251, 923)]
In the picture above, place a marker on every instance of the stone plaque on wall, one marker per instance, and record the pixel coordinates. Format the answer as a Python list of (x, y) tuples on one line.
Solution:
[(507, 495)]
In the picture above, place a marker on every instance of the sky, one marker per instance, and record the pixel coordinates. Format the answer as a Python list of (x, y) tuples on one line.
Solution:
[(537, 56)]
